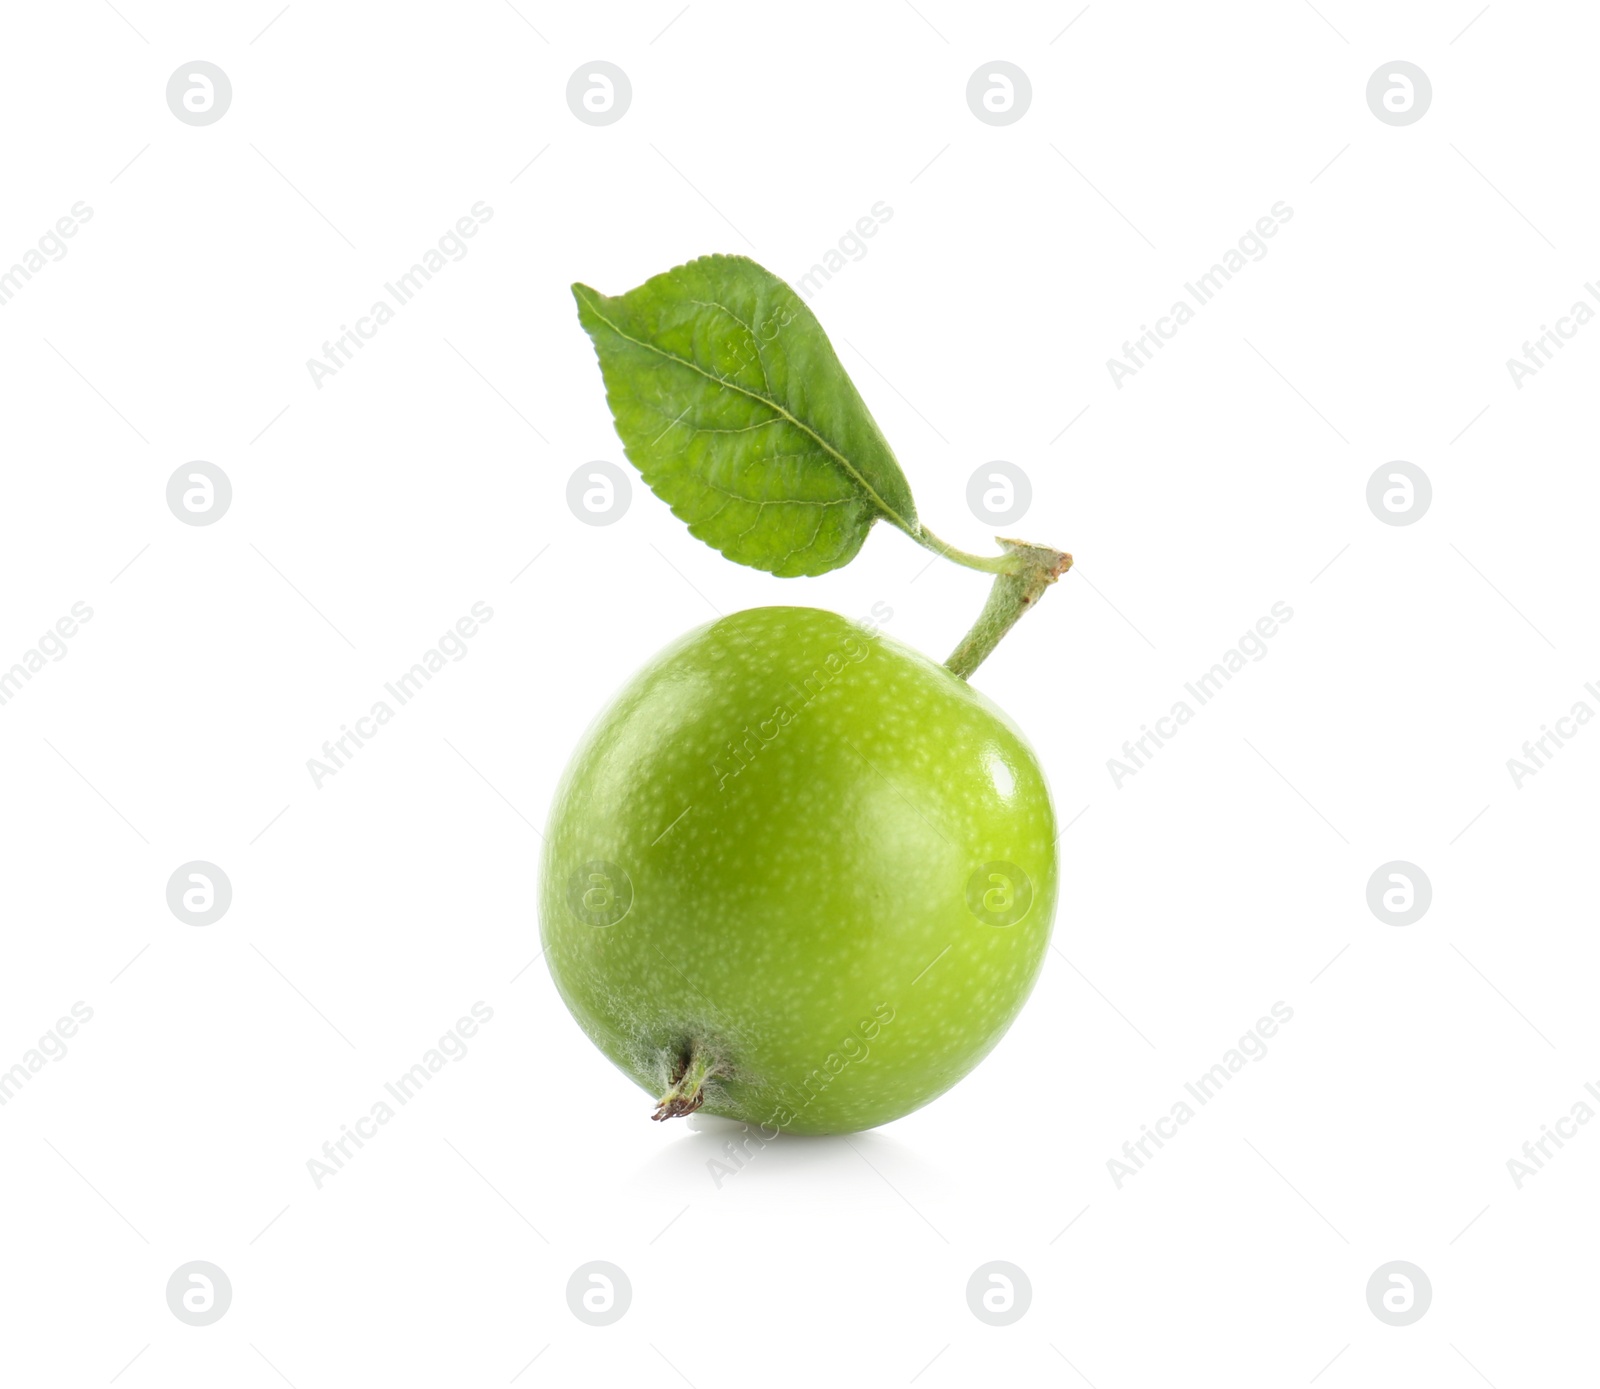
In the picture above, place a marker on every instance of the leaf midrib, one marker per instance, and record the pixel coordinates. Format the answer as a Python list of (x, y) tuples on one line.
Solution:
[(888, 511)]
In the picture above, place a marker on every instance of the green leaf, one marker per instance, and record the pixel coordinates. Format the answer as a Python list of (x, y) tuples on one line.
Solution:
[(732, 404)]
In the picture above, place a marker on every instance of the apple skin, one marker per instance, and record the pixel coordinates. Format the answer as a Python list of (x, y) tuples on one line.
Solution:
[(766, 848)]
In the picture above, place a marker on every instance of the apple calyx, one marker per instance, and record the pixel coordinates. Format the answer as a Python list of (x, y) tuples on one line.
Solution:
[(1027, 571), (694, 1068)]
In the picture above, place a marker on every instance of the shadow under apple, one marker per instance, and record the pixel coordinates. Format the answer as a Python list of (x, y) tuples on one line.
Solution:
[(715, 1153)]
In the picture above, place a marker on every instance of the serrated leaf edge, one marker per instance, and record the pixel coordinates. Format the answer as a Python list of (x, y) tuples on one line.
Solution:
[(589, 297)]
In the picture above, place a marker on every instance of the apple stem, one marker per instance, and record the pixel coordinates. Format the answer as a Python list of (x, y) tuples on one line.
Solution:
[(989, 564), (1024, 573), (687, 1091)]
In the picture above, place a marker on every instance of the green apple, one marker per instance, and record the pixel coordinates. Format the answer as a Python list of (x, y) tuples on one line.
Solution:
[(798, 874)]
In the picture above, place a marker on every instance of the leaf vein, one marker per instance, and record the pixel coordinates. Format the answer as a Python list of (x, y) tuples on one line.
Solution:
[(883, 507)]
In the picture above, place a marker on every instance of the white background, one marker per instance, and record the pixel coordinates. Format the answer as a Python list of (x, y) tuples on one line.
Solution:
[(430, 473)]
